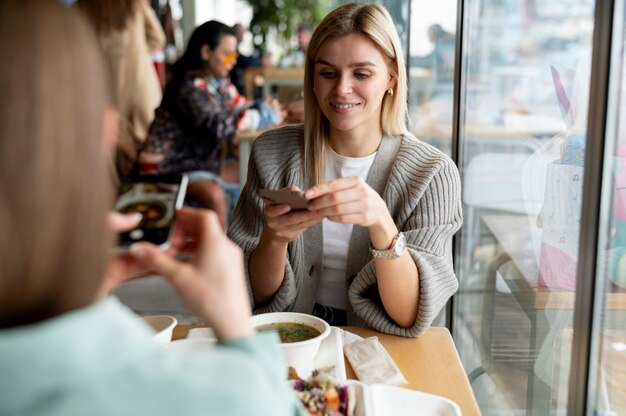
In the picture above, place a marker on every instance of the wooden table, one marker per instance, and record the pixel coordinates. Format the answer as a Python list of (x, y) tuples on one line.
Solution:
[(512, 234), (271, 77), (430, 363)]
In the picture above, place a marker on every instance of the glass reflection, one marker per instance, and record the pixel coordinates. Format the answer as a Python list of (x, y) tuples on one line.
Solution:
[(431, 71), (524, 102)]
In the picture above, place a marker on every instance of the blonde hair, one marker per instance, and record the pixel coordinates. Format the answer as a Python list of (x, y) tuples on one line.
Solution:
[(374, 22), (54, 187), (109, 15)]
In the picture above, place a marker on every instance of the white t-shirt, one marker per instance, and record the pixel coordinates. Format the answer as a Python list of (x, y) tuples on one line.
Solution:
[(331, 290)]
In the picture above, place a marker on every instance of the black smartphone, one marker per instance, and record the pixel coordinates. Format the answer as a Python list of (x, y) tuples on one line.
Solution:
[(156, 198), (295, 199)]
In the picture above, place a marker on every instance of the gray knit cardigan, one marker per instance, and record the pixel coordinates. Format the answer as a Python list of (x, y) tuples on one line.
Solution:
[(421, 188)]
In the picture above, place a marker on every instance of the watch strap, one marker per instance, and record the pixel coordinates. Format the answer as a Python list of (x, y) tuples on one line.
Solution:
[(390, 253)]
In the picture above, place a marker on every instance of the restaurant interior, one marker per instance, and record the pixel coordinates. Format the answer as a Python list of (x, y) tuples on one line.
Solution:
[(526, 97)]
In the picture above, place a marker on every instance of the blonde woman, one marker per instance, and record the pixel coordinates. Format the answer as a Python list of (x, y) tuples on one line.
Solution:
[(374, 245), (66, 348), (128, 30)]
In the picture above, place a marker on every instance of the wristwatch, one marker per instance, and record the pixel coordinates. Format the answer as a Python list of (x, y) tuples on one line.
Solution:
[(398, 245)]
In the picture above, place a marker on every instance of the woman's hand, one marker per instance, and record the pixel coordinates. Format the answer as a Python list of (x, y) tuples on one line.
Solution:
[(275, 104), (348, 200), (122, 266), (267, 262), (212, 283), (351, 200), (283, 225), (295, 111)]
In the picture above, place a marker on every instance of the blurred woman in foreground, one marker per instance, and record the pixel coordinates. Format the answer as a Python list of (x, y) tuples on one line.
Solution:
[(65, 347), (128, 30)]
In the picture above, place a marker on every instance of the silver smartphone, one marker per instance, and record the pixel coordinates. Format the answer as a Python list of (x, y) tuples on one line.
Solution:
[(295, 199), (156, 198)]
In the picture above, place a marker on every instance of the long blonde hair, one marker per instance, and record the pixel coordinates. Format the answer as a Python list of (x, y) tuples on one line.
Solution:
[(374, 22), (109, 15), (54, 187)]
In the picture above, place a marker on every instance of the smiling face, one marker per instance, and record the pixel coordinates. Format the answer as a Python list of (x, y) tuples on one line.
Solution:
[(221, 59), (351, 78)]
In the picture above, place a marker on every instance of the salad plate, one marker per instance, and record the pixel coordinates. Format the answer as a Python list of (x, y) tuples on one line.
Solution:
[(321, 393)]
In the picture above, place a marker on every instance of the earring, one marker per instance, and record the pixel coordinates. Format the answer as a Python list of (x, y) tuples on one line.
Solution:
[(390, 92)]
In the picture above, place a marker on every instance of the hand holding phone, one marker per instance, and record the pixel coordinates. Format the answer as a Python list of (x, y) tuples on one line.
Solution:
[(156, 198), (213, 286), (294, 198)]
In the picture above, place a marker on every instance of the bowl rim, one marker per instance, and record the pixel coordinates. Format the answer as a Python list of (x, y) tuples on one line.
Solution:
[(171, 324), (294, 315)]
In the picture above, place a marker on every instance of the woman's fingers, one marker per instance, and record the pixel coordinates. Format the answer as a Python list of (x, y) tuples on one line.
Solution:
[(119, 222), (340, 192), (155, 259), (190, 226), (334, 186), (347, 200), (277, 210), (286, 224)]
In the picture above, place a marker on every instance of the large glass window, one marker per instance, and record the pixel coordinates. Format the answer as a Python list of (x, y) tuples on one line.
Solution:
[(523, 111), (431, 59)]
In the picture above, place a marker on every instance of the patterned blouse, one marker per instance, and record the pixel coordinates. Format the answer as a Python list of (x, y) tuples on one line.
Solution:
[(192, 124)]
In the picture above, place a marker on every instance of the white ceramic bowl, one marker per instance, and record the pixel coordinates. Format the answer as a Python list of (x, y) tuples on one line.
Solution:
[(190, 344), (296, 353), (163, 325)]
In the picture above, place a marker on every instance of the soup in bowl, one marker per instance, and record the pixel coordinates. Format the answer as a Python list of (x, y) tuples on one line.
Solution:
[(300, 334)]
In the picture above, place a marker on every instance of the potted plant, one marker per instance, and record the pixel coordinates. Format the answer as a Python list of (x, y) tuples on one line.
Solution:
[(284, 16)]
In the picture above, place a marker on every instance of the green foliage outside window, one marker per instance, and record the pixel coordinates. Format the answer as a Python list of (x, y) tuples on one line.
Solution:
[(285, 16)]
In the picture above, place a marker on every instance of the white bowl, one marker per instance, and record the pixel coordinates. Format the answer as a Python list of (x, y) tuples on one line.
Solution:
[(296, 353), (190, 344), (163, 325)]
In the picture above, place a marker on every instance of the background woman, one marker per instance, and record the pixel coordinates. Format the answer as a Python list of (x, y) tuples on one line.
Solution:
[(128, 30), (66, 348), (374, 246), (201, 110)]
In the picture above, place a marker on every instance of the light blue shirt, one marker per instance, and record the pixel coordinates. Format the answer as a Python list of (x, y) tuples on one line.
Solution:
[(101, 360)]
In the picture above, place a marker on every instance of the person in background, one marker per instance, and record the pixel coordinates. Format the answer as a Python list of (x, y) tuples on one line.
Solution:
[(128, 30), (303, 34), (441, 59), (296, 56), (173, 38), (374, 246), (66, 348), (200, 112)]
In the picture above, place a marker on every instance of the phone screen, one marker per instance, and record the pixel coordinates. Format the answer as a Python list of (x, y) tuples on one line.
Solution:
[(156, 198)]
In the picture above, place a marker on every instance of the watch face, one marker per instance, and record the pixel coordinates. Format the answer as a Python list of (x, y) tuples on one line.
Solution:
[(400, 245)]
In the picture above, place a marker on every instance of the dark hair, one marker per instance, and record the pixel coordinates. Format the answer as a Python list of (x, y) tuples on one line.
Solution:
[(209, 33)]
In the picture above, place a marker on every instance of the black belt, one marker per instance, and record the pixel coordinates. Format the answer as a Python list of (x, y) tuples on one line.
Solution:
[(334, 316)]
